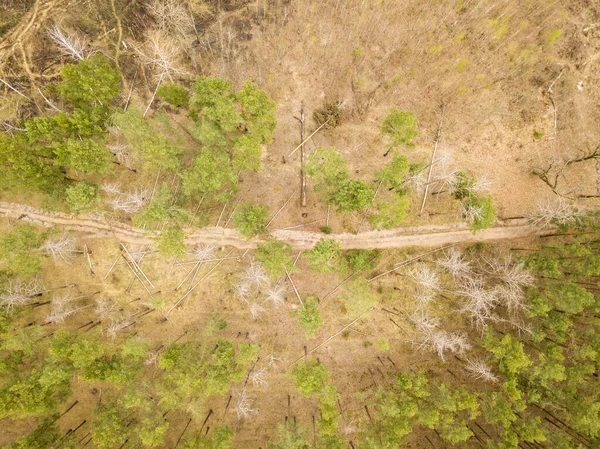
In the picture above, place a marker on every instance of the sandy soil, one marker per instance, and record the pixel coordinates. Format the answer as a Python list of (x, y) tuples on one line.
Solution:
[(432, 235)]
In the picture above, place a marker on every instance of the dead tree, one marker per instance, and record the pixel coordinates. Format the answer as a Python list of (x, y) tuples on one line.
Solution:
[(70, 44), (302, 158)]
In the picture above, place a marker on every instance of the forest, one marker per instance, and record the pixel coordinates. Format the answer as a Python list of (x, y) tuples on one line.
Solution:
[(286, 224)]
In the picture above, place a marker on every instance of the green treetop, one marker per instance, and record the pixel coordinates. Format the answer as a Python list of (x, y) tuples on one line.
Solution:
[(399, 128)]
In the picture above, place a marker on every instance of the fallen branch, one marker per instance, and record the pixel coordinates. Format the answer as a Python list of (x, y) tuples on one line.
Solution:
[(15, 90), (308, 138), (293, 286), (280, 209), (197, 283), (333, 336), (406, 262), (435, 147)]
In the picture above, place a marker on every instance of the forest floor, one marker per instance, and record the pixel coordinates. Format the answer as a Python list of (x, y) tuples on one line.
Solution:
[(432, 235)]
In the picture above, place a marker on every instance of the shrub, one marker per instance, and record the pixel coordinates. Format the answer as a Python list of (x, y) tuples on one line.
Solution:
[(330, 113), (276, 257), (309, 318), (391, 213), (17, 251), (352, 196), (324, 256), (394, 174), (310, 377), (400, 128), (362, 259), (250, 219), (82, 196), (170, 242), (174, 94)]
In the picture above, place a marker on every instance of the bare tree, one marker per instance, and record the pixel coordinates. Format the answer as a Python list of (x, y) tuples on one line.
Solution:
[(112, 188), (480, 304), (19, 293), (70, 44), (204, 253), (455, 263), (256, 276), (274, 361), (122, 155), (162, 54), (62, 248), (62, 310), (243, 406), (441, 341), (258, 377), (472, 213), (559, 212), (242, 291), (276, 295), (105, 308), (117, 326), (172, 17), (425, 276), (480, 370), (131, 203), (256, 310)]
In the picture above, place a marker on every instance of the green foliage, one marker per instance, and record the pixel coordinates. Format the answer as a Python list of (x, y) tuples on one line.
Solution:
[(156, 150), (88, 156), (276, 257), (391, 213), (209, 173), (109, 427), (399, 128), (170, 242), (329, 169), (508, 352), (152, 431), (331, 174), (215, 324), (479, 211), (362, 259), (324, 256), (219, 439), (326, 230), (290, 435), (570, 298), (395, 173), (90, 83), (174, 94), (309, 318), (39, 157), (234, 124), (162, 208), (44, 436), (24, 168), (382, 344), (82, 197), (353, 195), (26, 396), (358, 297), (194, 371), (310, 377), (17, 251), (250, 219)]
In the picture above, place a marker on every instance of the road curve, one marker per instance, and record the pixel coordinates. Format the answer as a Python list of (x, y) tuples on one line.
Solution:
[(428, 236)]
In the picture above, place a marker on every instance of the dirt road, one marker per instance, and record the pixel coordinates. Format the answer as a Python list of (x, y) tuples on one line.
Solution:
[(98, 227)]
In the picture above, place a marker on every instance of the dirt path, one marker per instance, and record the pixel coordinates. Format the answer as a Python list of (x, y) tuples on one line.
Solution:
[(97, 227)]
